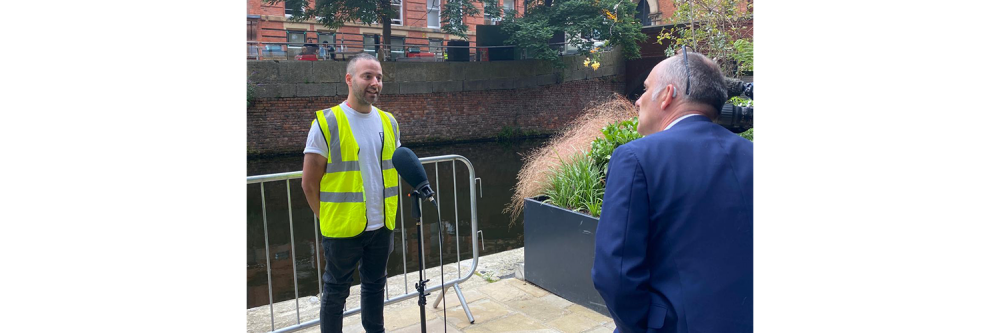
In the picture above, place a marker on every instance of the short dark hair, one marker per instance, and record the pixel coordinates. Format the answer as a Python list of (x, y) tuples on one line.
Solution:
[(356, 58)]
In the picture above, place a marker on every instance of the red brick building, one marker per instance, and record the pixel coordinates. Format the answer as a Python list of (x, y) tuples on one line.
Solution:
[(418, 24)]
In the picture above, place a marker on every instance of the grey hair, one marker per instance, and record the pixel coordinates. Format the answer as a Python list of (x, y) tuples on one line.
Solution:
[(707, 83), (356, 58)]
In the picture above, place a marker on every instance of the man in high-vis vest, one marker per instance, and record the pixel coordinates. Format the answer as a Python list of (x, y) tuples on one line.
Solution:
[(352, 187)]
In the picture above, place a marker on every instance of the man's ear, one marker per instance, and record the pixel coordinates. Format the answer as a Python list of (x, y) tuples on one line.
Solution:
[(669, 93), (347, 78)]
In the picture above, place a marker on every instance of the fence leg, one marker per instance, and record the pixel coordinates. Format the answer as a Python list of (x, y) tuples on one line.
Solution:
[(444, 290), (465, 306)]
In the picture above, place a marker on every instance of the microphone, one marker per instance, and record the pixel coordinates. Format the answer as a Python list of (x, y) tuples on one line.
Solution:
[(409, 167)]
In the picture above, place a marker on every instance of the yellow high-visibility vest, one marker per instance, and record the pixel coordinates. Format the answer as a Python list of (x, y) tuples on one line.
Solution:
[(342, 199)]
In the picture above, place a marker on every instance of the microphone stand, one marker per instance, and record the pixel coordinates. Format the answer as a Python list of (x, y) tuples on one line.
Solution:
[(420, 286), (422, 297)]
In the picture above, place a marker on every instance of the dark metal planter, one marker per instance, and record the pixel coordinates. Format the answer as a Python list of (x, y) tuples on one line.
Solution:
[(559, 252)]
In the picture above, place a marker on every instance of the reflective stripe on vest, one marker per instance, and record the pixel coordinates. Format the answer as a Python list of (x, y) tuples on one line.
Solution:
[(342, 211)]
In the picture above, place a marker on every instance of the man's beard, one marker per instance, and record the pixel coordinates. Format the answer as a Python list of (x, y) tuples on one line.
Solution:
[(363, 94)]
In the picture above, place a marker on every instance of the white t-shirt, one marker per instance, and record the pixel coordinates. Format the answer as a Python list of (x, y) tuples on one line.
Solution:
[(367, 130)]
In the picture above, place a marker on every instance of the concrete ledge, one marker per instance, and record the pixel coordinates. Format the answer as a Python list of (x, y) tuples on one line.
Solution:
[(413, 88), (447, 86), (388, 72), (276, 90), (389, 88), (319, 89), (475, 85), (326, 78), (548, 79), (330, 71), (262, 71), (499, 84), (296, 72)]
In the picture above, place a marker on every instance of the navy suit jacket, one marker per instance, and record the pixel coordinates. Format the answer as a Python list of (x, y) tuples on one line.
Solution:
[(674, 245)]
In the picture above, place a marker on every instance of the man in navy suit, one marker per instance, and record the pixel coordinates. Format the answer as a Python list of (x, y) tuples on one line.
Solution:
[(674, 246)]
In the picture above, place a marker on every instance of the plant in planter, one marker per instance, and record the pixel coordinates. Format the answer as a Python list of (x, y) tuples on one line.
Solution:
[(534, 178), (577, 185), (615, 135)]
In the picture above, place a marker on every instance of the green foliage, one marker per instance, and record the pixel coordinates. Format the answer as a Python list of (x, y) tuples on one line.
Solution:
[(739, 101), (576, 185), (251, 91), (743, 54), (615, 135), (452, 13), (488, 276), (334, 13), (584, 21), (719, 29), (510, 133), (532, 33), (748, 135)]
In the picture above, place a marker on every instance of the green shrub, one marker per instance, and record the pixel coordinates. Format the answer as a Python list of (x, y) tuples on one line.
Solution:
[(576, 185), (748, 135), (615, 135)]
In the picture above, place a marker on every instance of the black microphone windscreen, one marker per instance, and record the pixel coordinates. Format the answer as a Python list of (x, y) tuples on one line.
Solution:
[(409, 167)]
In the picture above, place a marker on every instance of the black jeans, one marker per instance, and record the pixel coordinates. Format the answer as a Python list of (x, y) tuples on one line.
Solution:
[(372, 249)]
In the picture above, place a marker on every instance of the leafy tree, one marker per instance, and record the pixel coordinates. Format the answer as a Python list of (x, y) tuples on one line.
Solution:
[(719, 29)]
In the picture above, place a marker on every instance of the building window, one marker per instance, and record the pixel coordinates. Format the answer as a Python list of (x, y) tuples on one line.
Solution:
[(397, 6), (642, 13), (327, 37), (508, 8), (396, 47), (295, 40), (296, 37), (434, 44), (289, 11), (251, 30), (370, 47), (434, 14), (331, 43)]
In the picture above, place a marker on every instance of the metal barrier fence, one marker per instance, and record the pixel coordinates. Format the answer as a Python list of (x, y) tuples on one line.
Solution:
[(288, 177)]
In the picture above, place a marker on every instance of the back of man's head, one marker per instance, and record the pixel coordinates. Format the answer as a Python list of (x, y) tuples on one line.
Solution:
[(707, 83)]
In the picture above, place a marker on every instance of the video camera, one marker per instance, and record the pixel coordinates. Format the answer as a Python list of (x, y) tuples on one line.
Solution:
[(737, 119)]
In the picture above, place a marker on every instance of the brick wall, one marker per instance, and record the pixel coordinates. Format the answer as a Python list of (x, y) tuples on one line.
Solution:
[(433, 102)]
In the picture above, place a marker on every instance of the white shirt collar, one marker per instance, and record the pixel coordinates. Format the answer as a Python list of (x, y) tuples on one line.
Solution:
[(679, 119)]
